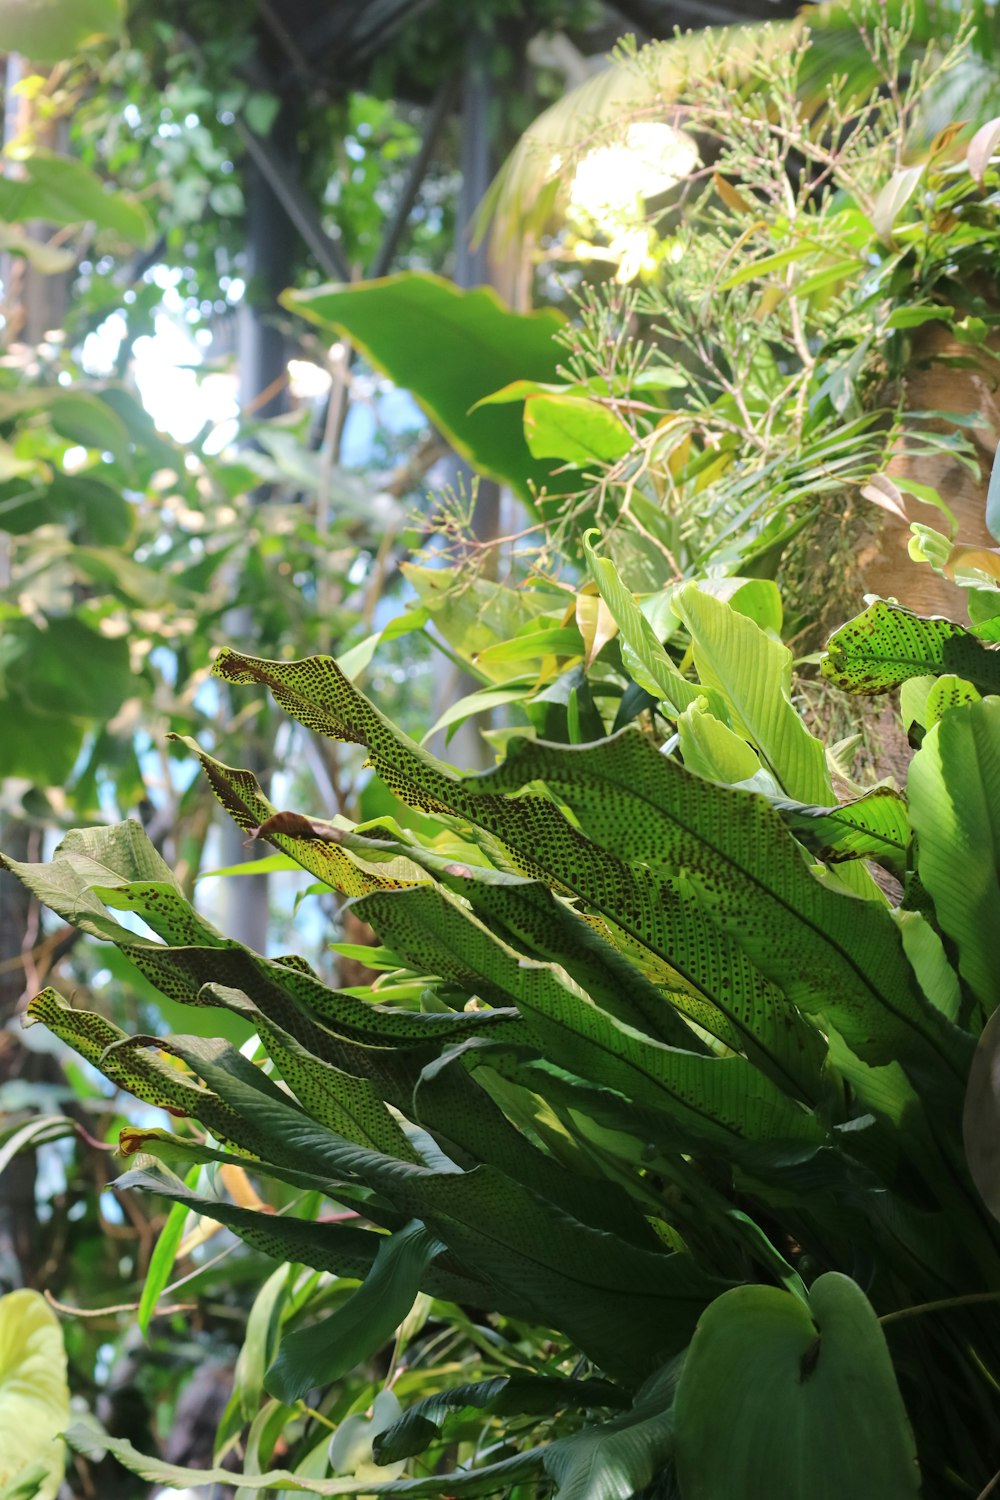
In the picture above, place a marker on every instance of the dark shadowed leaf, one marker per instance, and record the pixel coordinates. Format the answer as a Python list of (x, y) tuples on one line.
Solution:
[(779, 1396)]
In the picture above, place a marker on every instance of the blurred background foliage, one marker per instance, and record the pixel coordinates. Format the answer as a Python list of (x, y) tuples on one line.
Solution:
[(186, 461)]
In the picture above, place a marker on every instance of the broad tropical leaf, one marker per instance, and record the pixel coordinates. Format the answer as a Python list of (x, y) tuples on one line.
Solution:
[(954, 794), (450, 348), (791, 1397)]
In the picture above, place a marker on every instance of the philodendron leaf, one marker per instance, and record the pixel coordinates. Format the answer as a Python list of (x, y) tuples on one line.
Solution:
[(887, 645), (954, 795), (782, 1397), (327, 1350), (34, 1398)]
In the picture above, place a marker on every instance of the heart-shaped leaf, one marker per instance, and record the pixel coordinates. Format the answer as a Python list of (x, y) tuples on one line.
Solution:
[(783, 1397)]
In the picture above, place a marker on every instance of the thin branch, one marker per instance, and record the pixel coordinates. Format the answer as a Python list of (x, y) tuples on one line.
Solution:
[(115, 1310)]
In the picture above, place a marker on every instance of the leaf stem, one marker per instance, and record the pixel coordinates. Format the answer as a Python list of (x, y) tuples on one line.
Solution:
[(970, 1300)]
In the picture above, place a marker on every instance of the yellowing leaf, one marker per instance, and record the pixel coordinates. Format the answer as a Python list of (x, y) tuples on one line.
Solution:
[(596, 624), (981, 148), (34, 1398)]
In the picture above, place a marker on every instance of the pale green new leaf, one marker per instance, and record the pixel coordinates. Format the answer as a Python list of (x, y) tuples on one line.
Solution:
[(34, 1398), (644, 657), (752, 672)]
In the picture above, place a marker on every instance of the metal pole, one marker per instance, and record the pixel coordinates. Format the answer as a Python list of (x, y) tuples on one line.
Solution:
[(262, 359)]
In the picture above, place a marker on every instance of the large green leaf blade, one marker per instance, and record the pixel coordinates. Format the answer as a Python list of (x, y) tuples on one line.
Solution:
[(321, 1354), (725, 856), (703, 963), (954, 796), (647, 837), (625, 1306), (781, 1397), (753, 672), (450, 348), (720, 1101)]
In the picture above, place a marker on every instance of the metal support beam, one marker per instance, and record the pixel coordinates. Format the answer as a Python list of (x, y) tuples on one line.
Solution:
[(262, 362), (436, 116), (278, 172), (467, 747)]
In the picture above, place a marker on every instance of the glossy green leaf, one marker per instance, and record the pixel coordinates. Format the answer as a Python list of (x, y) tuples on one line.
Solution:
[(887, 645), (34, 1399), (322, 1353), (874, 826), (753, 673), (799, 1399), (161, 1262), (574, 429), (954, 794), (478, 345)]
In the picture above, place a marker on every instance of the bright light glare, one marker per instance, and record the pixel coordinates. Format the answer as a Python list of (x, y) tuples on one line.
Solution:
[(307, 380), (177, 400), (612, 182)]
